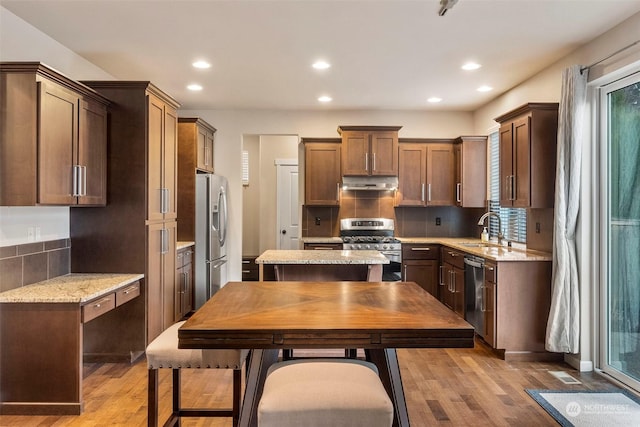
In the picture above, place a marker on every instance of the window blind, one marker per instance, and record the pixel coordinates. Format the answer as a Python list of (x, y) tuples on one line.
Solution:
[(514, 220)]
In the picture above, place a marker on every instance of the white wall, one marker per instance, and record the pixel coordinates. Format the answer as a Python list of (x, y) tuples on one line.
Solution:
[(19, 41), (233, 125)]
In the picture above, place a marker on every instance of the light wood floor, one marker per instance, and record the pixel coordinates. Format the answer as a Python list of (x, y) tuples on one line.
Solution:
[(468, 387)]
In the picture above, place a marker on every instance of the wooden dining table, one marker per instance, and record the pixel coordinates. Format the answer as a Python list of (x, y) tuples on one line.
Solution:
[(378, 317)]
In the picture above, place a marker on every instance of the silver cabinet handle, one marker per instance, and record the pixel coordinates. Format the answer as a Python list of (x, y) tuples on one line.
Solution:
[(459, 192), (366, 161), (164, 200), (441, 279), (83, 169), (420, 249), (404, 279), (513, 187), (422, 193), (429, 192), (164, 241), (374, 161), (337, 191), (75, 172)]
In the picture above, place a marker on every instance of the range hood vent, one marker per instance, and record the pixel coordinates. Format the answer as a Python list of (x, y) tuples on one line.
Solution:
[(370, 183)]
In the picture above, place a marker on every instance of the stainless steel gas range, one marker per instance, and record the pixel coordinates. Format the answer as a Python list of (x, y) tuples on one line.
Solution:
[(374, 234)]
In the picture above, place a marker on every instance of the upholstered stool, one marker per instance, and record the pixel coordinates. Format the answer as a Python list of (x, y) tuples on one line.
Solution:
[(163, 352), (324, 392)]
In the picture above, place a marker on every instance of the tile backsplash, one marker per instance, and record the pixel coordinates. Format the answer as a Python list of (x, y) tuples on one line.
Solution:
[(29, 263), (318, 221)]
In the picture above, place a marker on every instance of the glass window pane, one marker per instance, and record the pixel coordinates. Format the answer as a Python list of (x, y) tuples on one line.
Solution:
[(624, 230)]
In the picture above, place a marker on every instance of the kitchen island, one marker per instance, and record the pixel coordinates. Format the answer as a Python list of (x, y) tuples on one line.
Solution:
[(49, 328), (323, 265)]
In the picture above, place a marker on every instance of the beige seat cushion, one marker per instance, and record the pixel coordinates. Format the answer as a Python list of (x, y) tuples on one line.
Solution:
[(332, 393), (163, 352)]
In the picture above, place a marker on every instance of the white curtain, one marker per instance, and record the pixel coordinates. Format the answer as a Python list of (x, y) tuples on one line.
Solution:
[(563, 325)]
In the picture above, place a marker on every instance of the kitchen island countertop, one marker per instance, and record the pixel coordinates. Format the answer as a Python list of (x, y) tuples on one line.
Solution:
[(321, 257), (70, 288)]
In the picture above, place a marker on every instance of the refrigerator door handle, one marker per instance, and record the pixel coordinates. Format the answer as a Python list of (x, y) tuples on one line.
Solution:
[(222, 216), (217, 263)]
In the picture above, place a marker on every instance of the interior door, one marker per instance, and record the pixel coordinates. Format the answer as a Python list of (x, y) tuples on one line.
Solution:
[(288, 217)]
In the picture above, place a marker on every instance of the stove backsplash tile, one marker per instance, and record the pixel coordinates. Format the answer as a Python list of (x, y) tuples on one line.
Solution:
[(409, 222)]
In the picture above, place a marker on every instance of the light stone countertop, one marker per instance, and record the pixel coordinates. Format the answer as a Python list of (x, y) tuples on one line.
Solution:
[(321, 257), (71, 288), (182, 245), (489, 250), (321, 240)]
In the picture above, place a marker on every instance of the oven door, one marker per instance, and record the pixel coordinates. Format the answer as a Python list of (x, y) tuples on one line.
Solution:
[(392, 272)]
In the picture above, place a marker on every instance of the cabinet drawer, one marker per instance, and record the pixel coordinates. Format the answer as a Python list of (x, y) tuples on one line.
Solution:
[(183, 257), (453, 257), (490, 273), (249, 269), (98, 307), (127, 293), (416, 251)]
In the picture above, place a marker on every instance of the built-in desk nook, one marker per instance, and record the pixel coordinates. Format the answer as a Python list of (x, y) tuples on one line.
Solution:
[(49, 328)]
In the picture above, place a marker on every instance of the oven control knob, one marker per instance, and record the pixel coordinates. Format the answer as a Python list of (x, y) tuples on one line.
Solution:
[(367, 246), (384, 247)]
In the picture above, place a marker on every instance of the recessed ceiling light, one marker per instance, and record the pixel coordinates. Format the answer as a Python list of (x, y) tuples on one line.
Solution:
[(484, 88), (194, 87), (321, 65), (201, 64), (469, 66), (325, 98), (434, 99)]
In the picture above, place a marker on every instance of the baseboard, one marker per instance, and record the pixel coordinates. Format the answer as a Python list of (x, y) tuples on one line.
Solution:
[(532, 356), (580, 365), (130, 357), (40, 408)]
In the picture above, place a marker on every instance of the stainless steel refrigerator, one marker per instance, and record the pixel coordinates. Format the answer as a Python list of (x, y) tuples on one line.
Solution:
[(211, 235)]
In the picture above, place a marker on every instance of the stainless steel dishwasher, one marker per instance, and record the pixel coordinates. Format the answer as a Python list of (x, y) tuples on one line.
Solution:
[(473, 292)]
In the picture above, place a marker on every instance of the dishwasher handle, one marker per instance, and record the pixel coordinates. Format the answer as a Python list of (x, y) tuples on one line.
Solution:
[(474, 262)]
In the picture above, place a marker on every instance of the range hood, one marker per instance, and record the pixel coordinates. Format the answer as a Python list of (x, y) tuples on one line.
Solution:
[(370, 183)]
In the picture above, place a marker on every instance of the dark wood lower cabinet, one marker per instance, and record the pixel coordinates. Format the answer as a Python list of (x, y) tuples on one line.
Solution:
[(423, 272), (184, 283)]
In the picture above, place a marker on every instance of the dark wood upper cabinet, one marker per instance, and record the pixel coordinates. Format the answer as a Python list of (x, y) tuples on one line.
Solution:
[(470, 154), (195, 154), (426, 173), (528, 137), (412, 174), (196, 140), (369, 150), (53, 139), (322, 171)]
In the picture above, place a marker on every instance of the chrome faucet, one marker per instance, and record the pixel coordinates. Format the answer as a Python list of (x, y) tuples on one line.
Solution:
[(487, 215)]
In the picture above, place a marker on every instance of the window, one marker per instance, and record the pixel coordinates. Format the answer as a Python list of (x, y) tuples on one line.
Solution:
[(514, 220), (620, 227)]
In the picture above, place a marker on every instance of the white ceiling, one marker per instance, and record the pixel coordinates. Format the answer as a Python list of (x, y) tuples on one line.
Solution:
[(385, 54)]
